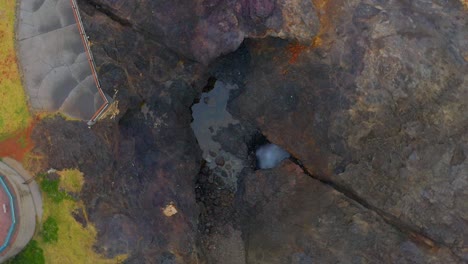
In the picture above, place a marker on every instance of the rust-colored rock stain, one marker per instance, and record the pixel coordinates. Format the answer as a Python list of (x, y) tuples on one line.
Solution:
[(19, 144), (328, 12), (295, 50)]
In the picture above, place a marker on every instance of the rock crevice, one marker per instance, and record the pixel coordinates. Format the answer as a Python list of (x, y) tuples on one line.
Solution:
[(374, 112), (108, 12), (410, 231)]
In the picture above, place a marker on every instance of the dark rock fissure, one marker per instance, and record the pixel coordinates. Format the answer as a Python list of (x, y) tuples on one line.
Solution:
[(210, 84), (98, 7), (257, 140), (217, 201), (413, 233), (135, 28)]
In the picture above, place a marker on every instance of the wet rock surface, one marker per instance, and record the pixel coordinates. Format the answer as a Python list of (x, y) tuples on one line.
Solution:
[(215, 199), (373, 112)]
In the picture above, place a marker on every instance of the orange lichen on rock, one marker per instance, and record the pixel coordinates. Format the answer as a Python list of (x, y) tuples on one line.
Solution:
[(464, 3), (327, 11), (317, 42), (326, 15)]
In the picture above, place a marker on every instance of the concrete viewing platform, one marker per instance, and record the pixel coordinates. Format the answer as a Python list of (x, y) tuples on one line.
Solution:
[(7, 214), (56, 61), (20, 208)]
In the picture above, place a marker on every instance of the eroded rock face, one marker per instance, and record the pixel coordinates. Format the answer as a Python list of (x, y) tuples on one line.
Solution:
[(205, 29), (143, 160), (375, 106), (293, 218), (379, 109)]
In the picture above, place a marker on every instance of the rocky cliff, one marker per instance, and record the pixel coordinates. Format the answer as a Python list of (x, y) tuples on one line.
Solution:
[(369, 97)]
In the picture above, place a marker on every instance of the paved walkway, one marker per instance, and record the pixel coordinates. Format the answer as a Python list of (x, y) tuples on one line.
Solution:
[(33, 186), (28, 202), (56, 73)]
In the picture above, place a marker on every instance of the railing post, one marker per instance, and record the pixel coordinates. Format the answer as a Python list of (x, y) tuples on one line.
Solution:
[(91, 62)]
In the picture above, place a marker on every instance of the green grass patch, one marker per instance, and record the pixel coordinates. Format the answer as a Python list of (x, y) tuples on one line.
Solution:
[(50, 230), (32, 254), (71, 180), (51, 188), (62, 238)]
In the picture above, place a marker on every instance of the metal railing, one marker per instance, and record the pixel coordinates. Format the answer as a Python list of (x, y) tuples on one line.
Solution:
[(92, 64), (6, 243)]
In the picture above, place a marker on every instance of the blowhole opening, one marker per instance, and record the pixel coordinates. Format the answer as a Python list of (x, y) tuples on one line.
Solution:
[(210, 84)]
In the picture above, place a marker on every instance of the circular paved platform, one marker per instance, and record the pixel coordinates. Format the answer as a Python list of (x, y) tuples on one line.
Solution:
[(7, 215), (23, 207)]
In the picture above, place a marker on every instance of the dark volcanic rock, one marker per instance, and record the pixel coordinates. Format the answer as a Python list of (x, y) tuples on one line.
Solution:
[(293, 218), (205, 29), (127, 188), (378, 107), (374, 106), (144, 159), (69, 145)]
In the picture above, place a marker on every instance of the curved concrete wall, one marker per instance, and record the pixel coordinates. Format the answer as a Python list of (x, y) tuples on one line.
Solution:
[(26, 207), (12, 206)]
